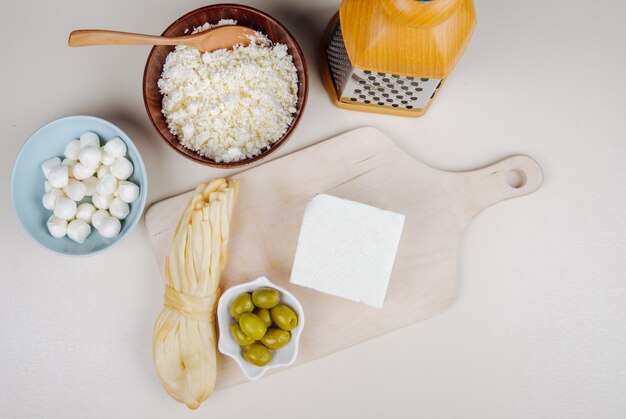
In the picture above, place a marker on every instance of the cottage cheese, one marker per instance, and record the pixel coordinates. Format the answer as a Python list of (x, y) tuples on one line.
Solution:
[(229, 105)]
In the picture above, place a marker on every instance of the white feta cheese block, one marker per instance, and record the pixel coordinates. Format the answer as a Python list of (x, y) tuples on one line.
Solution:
[(347, 249)]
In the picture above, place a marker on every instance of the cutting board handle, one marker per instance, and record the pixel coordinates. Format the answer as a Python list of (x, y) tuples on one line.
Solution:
[(509, 178)]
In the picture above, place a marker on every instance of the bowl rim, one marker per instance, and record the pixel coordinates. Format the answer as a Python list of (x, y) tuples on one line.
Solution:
[(277, 145), (142, 196), (261, 281)]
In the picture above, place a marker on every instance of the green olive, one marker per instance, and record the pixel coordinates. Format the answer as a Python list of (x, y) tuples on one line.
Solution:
[(265, 316), (265, 297), (252, 325), (241, 304), (241, 338), (276, 338), (257, 354), (284, 317)]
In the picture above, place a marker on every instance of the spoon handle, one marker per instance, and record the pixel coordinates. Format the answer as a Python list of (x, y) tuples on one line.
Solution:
[(88, 37)]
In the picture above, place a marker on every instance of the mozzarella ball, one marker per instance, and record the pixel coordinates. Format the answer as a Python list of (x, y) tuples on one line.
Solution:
[(127, 191), (65, 208), (70, 166), (72, 149), (90, 156), (122, 168), (119, 209), (109, 227), (82, 172), (49, 199), (115, 147), (103, 170), (101, 201), (47, 187), (85, 212), (59, 177), (48, 165), (78, 230), (57, 226), (75, 190), (90, 183), (106, 185), (107, 158), (98, 216), (89, 139)]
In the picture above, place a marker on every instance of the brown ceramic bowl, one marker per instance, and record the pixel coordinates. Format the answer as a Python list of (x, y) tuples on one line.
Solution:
[(246, 16)]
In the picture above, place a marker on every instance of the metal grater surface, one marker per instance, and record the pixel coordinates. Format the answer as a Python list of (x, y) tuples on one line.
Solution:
[(375, 88)]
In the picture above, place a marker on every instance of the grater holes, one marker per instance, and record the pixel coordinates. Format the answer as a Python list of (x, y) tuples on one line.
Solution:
[(410, 78), (376, 98), (367, 101), (389, 100), (386, 79), (362, 96), (395, 76), (385, 94), (353, 99), (399, 97), (414, 98), (367, 72), (394, 91), (381, 103), (409, 107), (414, 83), (357, 90), (361, 81), (381, 74), (404, 102), (371, 78), (404, 87), (419, 89), (395, 105), (424, 79)]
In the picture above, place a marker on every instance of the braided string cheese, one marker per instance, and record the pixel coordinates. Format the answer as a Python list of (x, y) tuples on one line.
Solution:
[(184, 334)]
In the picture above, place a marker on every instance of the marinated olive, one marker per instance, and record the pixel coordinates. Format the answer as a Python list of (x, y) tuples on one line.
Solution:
[(265, 297), (257, 354), (276, 338), (241, 304), (284, 317), (252, 325), (265, 316), (241, 338)]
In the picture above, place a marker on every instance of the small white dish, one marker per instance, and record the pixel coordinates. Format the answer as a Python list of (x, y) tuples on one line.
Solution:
[(280, 358)]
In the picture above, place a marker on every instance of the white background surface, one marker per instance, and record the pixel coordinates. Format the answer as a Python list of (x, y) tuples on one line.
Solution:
[(538, 326)]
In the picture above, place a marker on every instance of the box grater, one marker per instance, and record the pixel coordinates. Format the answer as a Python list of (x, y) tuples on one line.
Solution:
[(389, 73)]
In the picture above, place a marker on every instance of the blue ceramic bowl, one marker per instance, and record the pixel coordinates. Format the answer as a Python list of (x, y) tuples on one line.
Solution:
[(27, 182)]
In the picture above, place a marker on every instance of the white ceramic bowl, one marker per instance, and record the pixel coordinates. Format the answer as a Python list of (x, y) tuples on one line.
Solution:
[(227, 345)]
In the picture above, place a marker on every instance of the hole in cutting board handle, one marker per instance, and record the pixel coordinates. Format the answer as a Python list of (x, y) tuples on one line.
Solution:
[(515, 178)]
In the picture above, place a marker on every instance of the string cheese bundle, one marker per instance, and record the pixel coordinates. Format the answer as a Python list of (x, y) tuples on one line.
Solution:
[(184, 334)]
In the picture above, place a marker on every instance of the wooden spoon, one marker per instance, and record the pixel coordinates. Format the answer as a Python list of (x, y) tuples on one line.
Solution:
[(221, 37)]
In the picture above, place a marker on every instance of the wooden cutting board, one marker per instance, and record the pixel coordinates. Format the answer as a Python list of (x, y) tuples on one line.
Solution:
[(365, 166)]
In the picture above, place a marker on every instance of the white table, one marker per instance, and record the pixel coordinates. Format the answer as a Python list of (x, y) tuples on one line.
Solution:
[(538, 326)]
